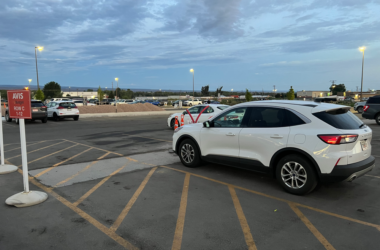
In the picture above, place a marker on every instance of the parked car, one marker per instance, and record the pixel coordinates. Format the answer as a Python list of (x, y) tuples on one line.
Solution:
[(211, 111), (299, 143), (358, 106), (60, 99), (137, 101), (105, 101), (80, 103), (192, 103), (62, 109), (211, 102), (349, 98), (39, 112), (371, 109), (154, 102), (121, 101), (92, 101), (175, 102)]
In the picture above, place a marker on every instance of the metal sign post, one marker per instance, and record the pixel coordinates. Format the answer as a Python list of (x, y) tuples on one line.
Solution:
[(19, 107), (4, 168)]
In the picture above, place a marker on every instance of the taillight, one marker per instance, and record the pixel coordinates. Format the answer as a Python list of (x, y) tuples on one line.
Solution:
[(338, 139), (60, 107), (365, 108)]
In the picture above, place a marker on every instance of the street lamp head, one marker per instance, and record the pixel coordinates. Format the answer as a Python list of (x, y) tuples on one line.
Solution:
[(116, 79), (40, 48), (362, 49), (192, 70), (29, 80)]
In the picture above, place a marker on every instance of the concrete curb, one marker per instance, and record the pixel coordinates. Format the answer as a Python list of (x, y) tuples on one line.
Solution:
[(145, 113)]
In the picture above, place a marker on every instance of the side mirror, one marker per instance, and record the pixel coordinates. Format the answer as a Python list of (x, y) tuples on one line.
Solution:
[(207, 124), (184, 113)]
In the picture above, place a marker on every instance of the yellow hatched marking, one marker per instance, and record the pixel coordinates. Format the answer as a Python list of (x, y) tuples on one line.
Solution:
[(27, 145), (37, 150), (132, 201), (177, 241), (243, 221), (94, 147), (311, 227)]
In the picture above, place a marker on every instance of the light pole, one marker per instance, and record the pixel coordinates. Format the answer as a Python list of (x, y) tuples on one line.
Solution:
[(361, 90), (40, 48), (117, 86), (29, 86), (192, 71)]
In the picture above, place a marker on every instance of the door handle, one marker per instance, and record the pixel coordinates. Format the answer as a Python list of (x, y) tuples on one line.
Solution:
[(230, 134), (276, 136)]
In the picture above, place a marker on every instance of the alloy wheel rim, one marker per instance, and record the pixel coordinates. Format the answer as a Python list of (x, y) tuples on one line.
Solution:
[(187, 153), (293, 175)]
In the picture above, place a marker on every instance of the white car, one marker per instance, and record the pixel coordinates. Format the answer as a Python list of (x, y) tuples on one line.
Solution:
[(192, 103), (299, 143), (80, 103), (62, 109), (212, 110), (121, 101)]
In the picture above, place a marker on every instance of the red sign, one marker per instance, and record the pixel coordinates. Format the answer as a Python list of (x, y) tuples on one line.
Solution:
[(19, 104)]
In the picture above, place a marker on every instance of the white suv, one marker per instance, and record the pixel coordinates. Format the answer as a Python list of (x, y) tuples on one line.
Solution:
[(299, 143), (62, 109)]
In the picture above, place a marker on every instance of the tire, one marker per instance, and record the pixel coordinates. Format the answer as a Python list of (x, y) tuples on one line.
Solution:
[(172, 122), (76, 118), (360, 110), (377, 118), (44, 120), (190, 104), (55, 117), (291, 170), (189, 154), (7, 118)]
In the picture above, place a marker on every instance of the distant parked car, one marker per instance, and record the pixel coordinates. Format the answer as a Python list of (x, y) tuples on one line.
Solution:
[(175, 102), (349, 98), (211, 102), (371, 109), (154, 102), (137, 101), (38, 112), (105, 101), (358, 106), (192, 103)]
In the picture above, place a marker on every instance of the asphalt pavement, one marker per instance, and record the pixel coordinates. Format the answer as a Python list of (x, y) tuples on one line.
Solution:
[(113, 183)]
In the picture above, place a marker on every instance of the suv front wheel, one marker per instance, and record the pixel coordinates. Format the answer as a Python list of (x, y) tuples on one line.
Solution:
[(296, 175), (189, 154)]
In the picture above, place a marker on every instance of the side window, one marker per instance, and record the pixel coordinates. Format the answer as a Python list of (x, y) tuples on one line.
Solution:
[(53, 104), (293, 119), (209, 110), (194, 110), (48, 105), (263, 117), (231, 119)]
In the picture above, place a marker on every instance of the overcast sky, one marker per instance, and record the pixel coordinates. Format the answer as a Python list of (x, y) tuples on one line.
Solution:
[(153, 44)]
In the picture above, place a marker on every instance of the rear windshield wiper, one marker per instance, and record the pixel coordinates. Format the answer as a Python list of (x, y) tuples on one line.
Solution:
[(362, 125)]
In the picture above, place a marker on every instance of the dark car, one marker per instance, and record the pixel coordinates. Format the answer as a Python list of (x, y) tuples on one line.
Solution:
[(371, 110), (39, 112), (175, 102), (105, 101)]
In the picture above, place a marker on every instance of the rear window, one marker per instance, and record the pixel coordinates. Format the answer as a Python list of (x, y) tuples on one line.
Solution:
[(222, 107), (67, 105), (374, 100), (37, 104), (340, 119)]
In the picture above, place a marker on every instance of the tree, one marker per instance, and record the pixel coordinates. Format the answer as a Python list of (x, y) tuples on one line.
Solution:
[(248, 96), (39, 95), (290, 94), (118, 92), (90, 90), (52, 89), (128, 94), (337, 88), (68, 95), (100, 94), (111, 95), (218, 91), (204, 90)]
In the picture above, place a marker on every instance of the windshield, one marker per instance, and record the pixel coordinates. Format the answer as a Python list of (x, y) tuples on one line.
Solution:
[(67, 105), (340, 119)]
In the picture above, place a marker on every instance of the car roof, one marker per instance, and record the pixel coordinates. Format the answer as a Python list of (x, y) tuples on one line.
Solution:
[(315, 106)]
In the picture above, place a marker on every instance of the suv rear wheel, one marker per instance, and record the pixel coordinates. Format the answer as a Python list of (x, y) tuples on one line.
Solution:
[(7, 118), (360, 109), (296, 175), (377, 118), (189, 154)]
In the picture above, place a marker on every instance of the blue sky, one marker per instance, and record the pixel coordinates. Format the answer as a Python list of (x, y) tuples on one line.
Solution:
[(152, 44)]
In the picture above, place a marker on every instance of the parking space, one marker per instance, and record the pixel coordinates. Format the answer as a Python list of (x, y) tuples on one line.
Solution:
[(113, 184)]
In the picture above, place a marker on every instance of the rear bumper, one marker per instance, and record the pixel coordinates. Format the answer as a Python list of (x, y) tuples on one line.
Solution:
[(367, 116), (39, 115), (349, 172), (68, 116)]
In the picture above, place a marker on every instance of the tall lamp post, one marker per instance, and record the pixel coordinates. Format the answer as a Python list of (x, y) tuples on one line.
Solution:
[(192, 71), (117, 86), (29, 86), (362, 49), (40, 48)]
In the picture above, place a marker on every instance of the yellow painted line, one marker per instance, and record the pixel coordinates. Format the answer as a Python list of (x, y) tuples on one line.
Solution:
[(129, 158), (81, 171), (59, 163), (177, 241), (311, 227), (94, 147), (279, 199), (373, 176), (243, 221), (30, 142), (26, 145), (132, 201), (37, 150), (110, 233), (81, 199), (148, 138)]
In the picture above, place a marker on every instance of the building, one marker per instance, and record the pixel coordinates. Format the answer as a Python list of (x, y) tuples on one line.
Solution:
[(83, 94), (312, 93), (356, 94)]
